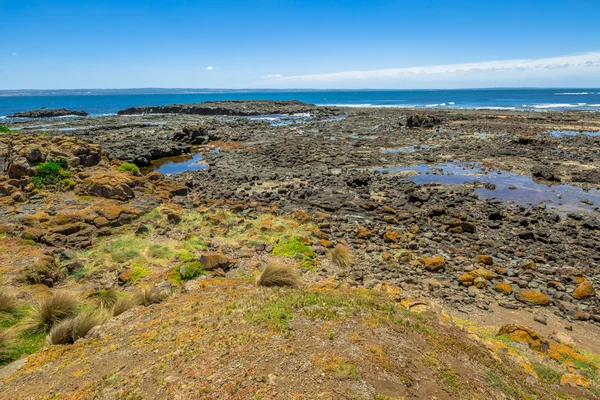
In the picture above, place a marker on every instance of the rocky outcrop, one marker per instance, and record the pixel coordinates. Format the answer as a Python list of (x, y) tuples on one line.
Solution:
[(234, 108), (49, 113), (422, 121)]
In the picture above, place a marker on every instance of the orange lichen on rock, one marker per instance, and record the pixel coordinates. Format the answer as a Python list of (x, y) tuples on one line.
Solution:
[(523, 334), (434, 263), (584, 290), (533, 297), (468, 278)]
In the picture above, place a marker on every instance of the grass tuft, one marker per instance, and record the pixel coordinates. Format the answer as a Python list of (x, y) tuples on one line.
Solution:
[(56, 307), (8, 302), (279, 275), (341, 256)]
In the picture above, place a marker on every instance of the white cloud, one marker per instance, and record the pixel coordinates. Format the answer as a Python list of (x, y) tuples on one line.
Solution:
[(14, 54), (489, 73), (271, 76), (209, 68)]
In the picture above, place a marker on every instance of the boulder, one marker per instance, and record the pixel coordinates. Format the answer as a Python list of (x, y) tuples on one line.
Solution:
[(212, 261), (434, 263), (523, 334), (584, 290), (533, 297)]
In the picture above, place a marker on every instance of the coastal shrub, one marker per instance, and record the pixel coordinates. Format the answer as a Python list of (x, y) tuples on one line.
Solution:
[(53, 173), (4, 129), (129, 167), (341, 256), (56, 307), (191, 270), (8, 302), (280, 275)]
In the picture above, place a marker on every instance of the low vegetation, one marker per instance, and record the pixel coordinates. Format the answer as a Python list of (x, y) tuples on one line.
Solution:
[(341, 256), (279, 274), (53, 174), (54, 308), (8, 302), (4, 129), (129, 167), (70, 330)]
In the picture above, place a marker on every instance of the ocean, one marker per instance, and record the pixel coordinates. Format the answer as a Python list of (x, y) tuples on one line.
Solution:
[(106, 103)]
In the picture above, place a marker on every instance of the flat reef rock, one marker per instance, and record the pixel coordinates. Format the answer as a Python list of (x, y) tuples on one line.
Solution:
[(234, 108), (49, 113)]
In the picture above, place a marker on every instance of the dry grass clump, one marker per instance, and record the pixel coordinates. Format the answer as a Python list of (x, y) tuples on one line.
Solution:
[(280, 275), (123, 304), (144, 296), (52, 309), (149, 295), (8, 302), (6, 336), (61, 332), (341, 256), (69, 330), (107, 298)]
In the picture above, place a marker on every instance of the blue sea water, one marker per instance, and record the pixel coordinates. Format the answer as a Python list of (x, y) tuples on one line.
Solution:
[(509, 99)]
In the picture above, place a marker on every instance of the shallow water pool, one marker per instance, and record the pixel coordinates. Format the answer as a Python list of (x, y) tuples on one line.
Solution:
[(505, 186)]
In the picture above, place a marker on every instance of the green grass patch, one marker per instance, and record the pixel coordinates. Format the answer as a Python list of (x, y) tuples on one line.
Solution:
[(498, 383), (546, 373), (195, 243), (449, 378), (160, 251), (4, 129), (191, 270), (129, 167), (53, 173), (291, 247), (278, 307)]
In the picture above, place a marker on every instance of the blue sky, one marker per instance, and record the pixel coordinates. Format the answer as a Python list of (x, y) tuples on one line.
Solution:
[(303, 44)]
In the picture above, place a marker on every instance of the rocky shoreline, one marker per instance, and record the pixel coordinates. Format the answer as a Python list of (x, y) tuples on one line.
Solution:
[(486, 214), (344, 169)]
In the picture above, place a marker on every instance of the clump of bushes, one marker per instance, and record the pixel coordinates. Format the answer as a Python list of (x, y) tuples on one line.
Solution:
[(4, 129), (280, 275), (341, 256), (53, 173), (129, 167)]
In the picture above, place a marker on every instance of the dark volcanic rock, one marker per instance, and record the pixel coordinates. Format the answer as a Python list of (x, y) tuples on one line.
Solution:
[(546, 172), (48, 113), (233, 108), (422, 121)]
